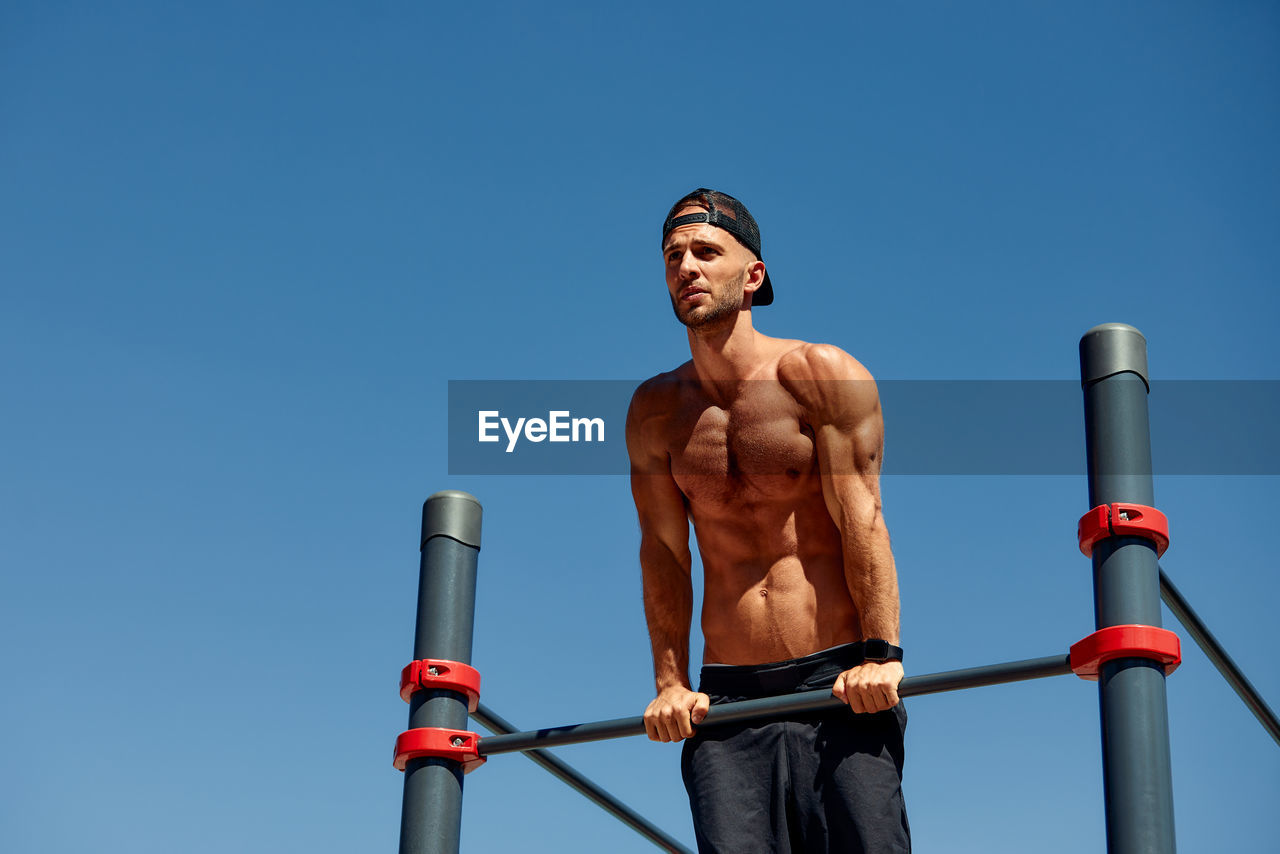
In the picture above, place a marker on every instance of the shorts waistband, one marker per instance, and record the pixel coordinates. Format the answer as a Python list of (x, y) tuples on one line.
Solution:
[(747, 681)]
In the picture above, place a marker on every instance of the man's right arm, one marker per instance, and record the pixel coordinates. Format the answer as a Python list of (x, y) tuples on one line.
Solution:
[(666, 566)]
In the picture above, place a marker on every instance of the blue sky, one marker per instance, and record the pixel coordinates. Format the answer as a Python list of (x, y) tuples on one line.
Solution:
[(244, 248)]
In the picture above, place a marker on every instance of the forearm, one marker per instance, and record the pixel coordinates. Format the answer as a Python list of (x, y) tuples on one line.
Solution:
[(668, 610), (872, 578)]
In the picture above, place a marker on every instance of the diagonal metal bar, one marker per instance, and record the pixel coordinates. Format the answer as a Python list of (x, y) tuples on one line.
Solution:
[(805, 701), (1213, 649), (492, 722)]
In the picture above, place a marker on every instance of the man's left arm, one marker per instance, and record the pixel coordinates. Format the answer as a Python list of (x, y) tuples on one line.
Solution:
[(843, 405)]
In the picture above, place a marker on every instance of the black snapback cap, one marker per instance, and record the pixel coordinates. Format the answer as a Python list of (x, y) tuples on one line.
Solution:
[(726, 212)]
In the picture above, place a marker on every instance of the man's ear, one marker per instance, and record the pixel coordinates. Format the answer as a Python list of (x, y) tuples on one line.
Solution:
[(755, 277)]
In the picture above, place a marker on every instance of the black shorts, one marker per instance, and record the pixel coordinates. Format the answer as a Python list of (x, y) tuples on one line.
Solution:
[(809, 783)]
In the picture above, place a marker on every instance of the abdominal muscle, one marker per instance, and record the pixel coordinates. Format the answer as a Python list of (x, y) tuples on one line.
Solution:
[(768, 598)]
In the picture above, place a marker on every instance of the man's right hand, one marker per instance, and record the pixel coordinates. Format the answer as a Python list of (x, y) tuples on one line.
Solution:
[(673, 714)]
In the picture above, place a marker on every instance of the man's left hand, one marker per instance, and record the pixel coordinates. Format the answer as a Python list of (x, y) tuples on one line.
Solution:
[(869, 687)]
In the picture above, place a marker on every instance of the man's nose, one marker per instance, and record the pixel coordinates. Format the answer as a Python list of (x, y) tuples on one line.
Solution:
[(688, 266)]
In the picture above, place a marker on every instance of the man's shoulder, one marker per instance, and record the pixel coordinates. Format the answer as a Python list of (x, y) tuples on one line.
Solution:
[(661, 388), (831, 386), (651, 404), (803, 360)]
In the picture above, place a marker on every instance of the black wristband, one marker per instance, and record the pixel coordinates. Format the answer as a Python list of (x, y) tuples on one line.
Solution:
[(877, 650)]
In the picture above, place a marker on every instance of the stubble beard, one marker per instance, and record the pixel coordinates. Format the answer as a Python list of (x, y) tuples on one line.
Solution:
[(704, 317)]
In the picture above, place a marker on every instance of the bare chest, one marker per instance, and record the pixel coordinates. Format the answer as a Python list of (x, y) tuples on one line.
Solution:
[(758, 450)]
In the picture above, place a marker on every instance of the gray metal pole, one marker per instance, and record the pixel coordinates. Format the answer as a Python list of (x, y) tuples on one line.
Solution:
[(431, 816), (1137, 775)]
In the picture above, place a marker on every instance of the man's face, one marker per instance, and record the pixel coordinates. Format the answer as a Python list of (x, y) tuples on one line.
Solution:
[(707, 269)]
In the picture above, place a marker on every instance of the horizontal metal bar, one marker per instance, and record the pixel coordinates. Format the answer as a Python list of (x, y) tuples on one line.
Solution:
[(488, 719), (789, 704), (1204, 638)]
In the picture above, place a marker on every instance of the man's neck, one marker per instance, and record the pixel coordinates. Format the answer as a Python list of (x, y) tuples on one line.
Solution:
[(733, 351)]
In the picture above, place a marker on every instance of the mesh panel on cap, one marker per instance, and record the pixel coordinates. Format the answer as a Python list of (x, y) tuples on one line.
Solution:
[(724, 211)]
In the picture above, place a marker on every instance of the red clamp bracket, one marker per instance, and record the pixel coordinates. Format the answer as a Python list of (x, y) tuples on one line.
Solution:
[(1123, 520), (454, 744), (1162, 645), (440, 674)]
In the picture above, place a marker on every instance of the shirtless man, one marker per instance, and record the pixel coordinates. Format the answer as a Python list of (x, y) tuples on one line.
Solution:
[(772, 447)]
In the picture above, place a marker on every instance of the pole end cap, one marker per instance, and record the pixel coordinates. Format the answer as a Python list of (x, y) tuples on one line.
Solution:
[(454, 514), (1113, 348)]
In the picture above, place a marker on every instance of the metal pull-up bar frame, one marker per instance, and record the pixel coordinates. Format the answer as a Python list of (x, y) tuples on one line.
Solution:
[(1218, 656), (775, 707), (1129, 655)]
